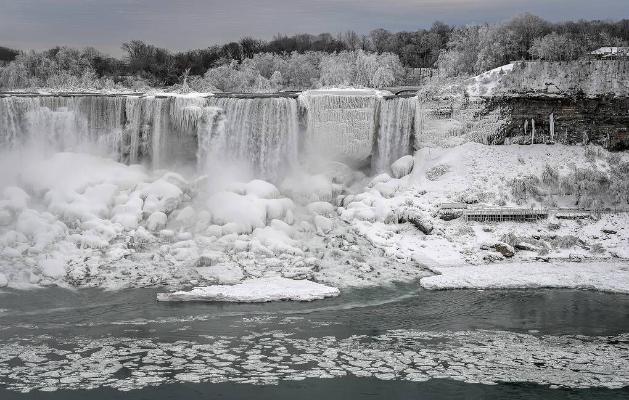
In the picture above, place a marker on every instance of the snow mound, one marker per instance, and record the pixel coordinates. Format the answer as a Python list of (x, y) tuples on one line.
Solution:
[(257, 290), (606, 277), (402, 166), (485, 83)]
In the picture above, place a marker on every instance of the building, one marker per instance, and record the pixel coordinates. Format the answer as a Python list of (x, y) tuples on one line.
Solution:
[(607, 53)]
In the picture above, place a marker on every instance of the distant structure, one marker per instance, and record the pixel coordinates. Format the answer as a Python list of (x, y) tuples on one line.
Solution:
[(611, 53)]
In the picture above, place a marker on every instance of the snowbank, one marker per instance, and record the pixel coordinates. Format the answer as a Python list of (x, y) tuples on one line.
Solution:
[(607, 277), (258, 290)]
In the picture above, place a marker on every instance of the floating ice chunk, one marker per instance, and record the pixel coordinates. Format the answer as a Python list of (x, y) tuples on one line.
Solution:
[(262, 189), (403, 166), (604, 276), (256, 291), (4, 281), (156, 221)]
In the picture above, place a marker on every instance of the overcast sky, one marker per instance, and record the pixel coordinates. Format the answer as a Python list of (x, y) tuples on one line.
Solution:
[(187, 24)]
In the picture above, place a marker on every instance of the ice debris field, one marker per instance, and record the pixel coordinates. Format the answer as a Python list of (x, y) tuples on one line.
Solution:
[(228, 199)]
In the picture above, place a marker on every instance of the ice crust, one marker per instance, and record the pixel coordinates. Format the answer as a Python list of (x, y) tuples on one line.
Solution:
[(255, 291)]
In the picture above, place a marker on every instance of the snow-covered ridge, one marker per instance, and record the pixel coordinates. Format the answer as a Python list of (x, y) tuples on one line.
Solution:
[(590, 78)]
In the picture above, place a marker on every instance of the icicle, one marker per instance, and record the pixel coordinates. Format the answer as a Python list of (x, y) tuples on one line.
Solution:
[(532, 131), (552, 127)]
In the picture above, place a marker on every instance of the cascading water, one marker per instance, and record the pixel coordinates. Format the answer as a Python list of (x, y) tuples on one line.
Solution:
[(62, 123), (340, 125), (261, 133), (395, 131)]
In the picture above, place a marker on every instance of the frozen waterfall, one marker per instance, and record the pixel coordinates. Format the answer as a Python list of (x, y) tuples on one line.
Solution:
[(395, 131), (263, 134), (260, 132), (340, 124)]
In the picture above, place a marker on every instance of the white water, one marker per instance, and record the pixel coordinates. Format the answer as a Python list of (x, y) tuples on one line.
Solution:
[(395, 131), (340, 126), (260, 133)]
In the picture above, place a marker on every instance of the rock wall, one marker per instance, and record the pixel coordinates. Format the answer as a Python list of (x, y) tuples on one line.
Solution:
[(575, 120)]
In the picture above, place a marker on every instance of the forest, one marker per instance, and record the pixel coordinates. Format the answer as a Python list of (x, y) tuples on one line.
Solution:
[(378, 59)]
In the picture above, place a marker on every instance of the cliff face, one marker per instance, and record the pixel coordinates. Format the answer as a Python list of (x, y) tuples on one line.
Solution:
[(600, 120), (572, 103)]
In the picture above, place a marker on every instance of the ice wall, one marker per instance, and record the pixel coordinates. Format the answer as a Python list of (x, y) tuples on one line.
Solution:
[(341, 125), (62, 123), (265, 134), (261, 132), (395, 131)]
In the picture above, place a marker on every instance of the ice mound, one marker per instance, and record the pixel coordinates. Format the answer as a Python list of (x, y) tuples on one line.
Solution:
[(607, 277), (403, 166), (257, 290)]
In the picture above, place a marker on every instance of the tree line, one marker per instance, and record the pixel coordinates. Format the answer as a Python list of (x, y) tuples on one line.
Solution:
[(300, 61)]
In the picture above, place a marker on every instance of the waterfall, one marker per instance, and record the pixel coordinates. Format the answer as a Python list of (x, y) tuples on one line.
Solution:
[(394, 132), (210, 124), (340, 126), (62, 123), (261, 133)]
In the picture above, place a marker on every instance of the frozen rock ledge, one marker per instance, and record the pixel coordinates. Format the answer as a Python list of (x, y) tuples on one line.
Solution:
[(258, 290)]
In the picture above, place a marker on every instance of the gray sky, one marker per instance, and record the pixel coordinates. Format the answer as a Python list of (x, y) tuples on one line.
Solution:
[(188, 24)]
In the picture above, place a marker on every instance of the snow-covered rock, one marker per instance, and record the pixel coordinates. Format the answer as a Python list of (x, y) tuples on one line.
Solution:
[(321, 208), (156, 221), (262, 189), (256, 291), (403, 166), (222, 274), (323, 224)]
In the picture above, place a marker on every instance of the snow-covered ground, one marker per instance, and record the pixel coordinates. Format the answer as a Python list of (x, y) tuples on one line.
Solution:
[(85, 221), (604, 276)]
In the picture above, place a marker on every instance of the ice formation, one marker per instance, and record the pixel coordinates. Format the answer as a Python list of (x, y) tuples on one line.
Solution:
[(487, 357), (395, 131), (340, 124), (261, 132), (87, 200), (256, 291)]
